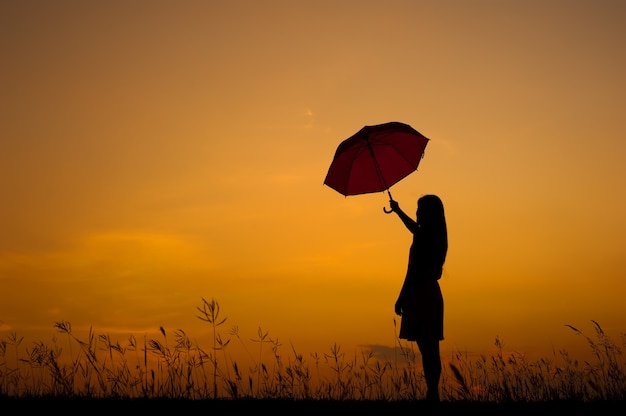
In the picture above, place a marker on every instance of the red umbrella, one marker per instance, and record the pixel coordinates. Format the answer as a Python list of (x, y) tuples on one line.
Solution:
[(376, 158)]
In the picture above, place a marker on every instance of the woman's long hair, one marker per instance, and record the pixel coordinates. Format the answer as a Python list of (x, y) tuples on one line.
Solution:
[(431, 219)]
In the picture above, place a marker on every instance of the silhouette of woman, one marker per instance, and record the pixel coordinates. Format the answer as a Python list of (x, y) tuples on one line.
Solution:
[(420, 303)]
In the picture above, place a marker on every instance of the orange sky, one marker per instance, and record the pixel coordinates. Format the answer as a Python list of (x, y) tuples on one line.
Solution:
[(154, 152)]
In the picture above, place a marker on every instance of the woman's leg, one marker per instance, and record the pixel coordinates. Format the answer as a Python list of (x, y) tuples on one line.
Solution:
[(431, 361)]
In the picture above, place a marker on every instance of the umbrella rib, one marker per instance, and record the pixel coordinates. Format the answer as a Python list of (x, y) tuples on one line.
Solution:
[(378, 171), (367, 148), (402, 155)]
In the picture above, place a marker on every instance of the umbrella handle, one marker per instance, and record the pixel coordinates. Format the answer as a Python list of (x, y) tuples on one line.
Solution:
[(390, 198)]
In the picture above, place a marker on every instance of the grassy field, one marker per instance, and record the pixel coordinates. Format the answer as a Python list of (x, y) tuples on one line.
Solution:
[(99, 373), (286, 406)]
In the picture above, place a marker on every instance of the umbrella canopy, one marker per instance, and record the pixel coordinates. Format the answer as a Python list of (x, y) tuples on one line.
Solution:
[(375, 158)]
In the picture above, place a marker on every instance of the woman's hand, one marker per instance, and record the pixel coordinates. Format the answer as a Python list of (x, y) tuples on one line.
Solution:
[(398, 308), (394, 205)]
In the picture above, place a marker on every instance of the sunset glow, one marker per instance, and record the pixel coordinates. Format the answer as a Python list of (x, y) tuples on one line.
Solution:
[(155, 153)]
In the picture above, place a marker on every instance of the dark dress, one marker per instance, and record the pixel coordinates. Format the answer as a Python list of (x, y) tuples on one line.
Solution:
[(422, 300)]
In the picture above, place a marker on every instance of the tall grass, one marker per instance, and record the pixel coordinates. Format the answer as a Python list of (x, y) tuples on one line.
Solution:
[(173, 366)]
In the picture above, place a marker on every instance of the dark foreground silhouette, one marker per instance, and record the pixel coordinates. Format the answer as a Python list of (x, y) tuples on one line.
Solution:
[(83, 405)]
